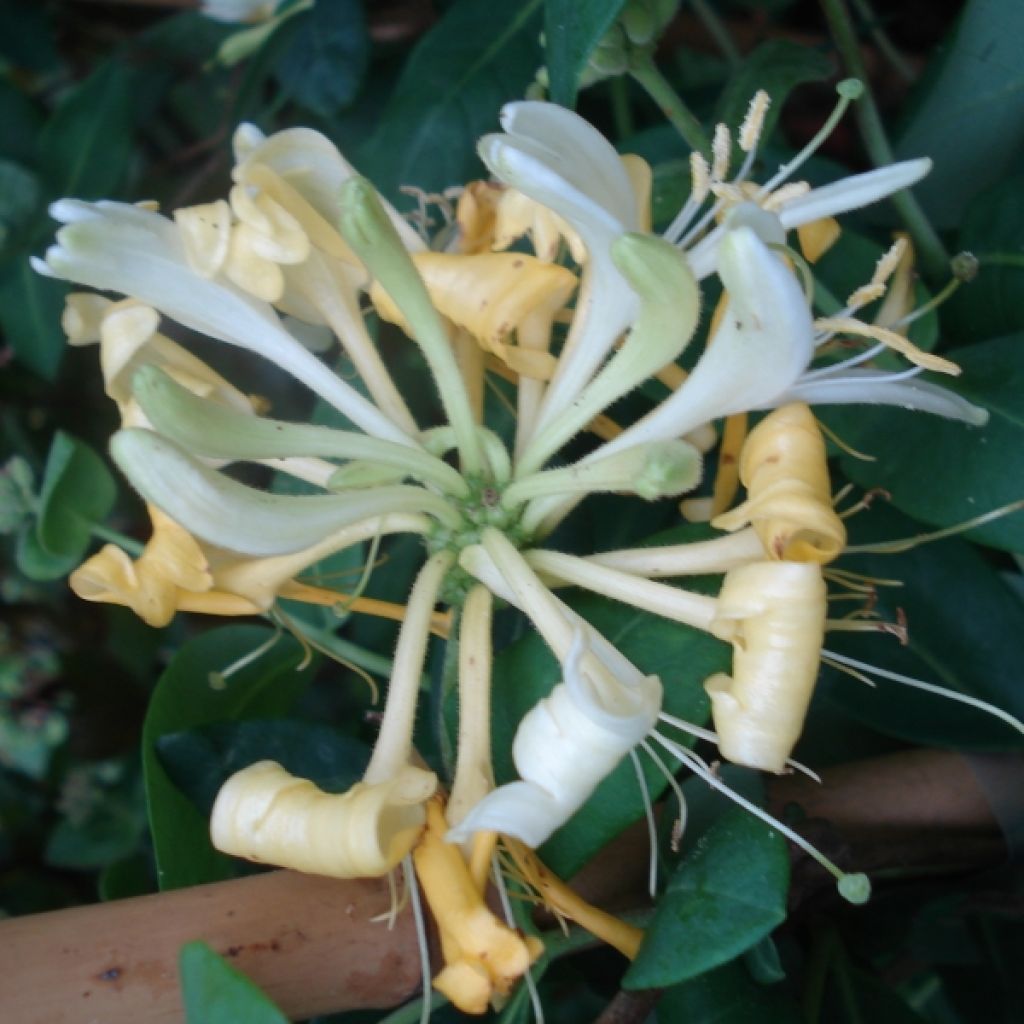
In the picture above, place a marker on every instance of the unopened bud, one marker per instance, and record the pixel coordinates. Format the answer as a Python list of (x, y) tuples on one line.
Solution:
[(965, 266)]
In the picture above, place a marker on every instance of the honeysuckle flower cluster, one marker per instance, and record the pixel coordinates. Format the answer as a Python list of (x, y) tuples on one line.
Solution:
[(287, 260)]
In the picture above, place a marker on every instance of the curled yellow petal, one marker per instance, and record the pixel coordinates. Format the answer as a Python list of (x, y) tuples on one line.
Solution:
[(171, 564), (476, 215), (483, 956), (773, 613), (789, 501), (517, 215), (264, 814), (490, 295)]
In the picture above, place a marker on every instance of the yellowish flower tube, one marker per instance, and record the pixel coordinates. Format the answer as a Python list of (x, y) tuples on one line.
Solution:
[(483, 956), (789, 499), (266, 815), (773, 613)]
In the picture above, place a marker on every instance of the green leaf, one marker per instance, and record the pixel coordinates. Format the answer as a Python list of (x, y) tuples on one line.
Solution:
[(777, 66), (726, 896), (571, 31), (77, 492), (990, 305), (970, 110), (30, 311), (35, 562), (19, 204), (480, 55), (527, 671), (199, 761), (330, 49), (214, 992), (941, 471), (21, 119), (964, 627), (726, 995), (186, 698), (87, 144)]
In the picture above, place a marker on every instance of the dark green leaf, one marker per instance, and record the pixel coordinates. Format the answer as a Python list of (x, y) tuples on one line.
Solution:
[(21, 119), (19, 203), (480, 55), (199, 761), (525, 672), (571, 31), (721, 900), (77, 492), (214, 992), (941, 471), (778, 67), (964, 627), (970, 114), (726, 995), (323, 67), (185, 698), (991, 305), (86, 145), (26, 36), (126, 878), (30, 310), (764, 963)]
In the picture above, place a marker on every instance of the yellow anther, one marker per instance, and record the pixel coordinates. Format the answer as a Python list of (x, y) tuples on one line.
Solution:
[(753, 123), (927, 360), (700, 177), (721, 152)]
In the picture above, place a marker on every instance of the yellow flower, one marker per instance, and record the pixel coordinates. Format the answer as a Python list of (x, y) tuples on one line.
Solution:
[(483, 956)]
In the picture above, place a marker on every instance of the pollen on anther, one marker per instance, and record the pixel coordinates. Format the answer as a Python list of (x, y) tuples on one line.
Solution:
[(700, 177), (721, 146), (753, 123)]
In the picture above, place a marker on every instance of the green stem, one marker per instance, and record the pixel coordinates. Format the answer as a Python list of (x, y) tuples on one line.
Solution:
[(718, 32), (644, 70), (1000, 259), (376, 664), (882, 41), (622, 114), (129, 544), (934, 257)]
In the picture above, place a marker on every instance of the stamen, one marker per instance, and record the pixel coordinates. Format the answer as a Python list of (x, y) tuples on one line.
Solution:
[(920, 684), (859, 676), (677, 790), (889, 338), (712, 737), (652, 833), (721, 150), (865, 502), (219, 680), (857, 580), (790, 191), (857, 625), (753, 123), (852, 887), (309, 646), (506, 908), (421, 936), (895, 547), (700, 179), (849, 89)]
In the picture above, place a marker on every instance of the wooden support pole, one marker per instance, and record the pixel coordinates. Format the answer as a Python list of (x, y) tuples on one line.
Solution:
[(308, 942)]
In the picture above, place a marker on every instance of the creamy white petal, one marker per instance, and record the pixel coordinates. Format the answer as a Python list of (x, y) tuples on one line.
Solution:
[(853, 192), (123, 248), (876, 387), (765, 341)]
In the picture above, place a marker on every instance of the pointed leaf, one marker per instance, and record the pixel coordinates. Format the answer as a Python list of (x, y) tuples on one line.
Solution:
[(214, 992), (571, 31), (722, 899)]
